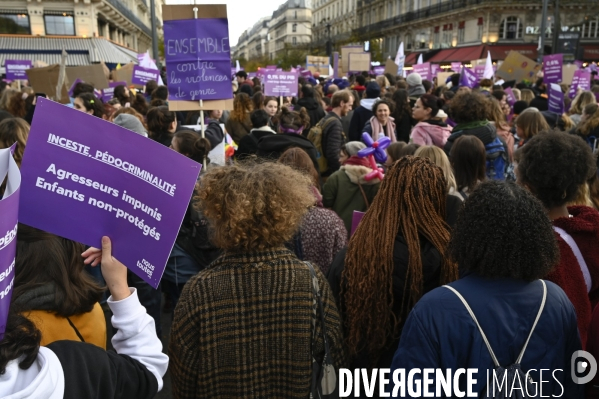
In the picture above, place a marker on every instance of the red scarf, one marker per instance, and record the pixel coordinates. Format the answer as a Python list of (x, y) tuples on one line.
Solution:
[(357, 161)]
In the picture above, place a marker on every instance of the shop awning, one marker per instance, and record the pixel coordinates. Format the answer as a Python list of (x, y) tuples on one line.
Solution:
[(590, 52), (412, 58), (444, 55), (500, 52)]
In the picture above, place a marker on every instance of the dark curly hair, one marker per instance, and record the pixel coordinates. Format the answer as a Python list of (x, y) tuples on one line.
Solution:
[(553, 165), (503, 231), (468, 107), (21, 338), (388, 103)]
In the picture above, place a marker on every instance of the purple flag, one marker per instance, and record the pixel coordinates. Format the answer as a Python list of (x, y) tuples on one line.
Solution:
[(15, 69), (355, 221), (511, 98), (582, 79), (556, 99), (424, 70), (456, 66), (271, 68), (468, 78), (552, 68), (434, 69), (306, 73), (141, 75), (198, 59), (72, 89), (280, 84), (9, 209), (82, 185), (479, 72)]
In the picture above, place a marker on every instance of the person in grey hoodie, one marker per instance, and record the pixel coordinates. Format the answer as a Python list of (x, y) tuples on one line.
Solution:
[(130, 122), (363, 113), (415, 87)]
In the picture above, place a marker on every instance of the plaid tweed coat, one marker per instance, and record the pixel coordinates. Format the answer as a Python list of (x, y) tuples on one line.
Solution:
[(243, 329)]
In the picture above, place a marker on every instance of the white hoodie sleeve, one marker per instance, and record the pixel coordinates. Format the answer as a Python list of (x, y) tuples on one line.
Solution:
[(136, 336)]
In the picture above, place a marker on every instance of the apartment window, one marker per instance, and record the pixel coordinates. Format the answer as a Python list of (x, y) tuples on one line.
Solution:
[(447, 33), (294, 28), (480, 28), (510, 28), (389, 10), (461, 32), (436, 35), (295, 14), (60, 24), (15, 24), (589, 29), (398, 8), (294, 40)]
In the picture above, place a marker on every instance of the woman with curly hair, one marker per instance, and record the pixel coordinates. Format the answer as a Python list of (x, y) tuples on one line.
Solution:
[(16, 104), (381, 124), (162, 124), (469, 111), (503, 243), (239, 123), (250, 313), (553, 166), (397, 254), (430, 129)]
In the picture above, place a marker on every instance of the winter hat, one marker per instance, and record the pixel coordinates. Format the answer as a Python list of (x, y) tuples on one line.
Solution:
[(130, 122), (353, 147), (414, 79), (373, 90)]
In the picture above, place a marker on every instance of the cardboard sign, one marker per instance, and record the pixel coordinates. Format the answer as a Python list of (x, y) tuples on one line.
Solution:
[(141, 76), (316, 64), (345, 52), (124, 73), (359, 62), (442, 78), (281, 84), (517, 67), (198, 59), (15, 69), (9, 209), (82, 185), (391, 67), (206, 11), (568, 73), (45, 80), (552, 68), (92, 74)]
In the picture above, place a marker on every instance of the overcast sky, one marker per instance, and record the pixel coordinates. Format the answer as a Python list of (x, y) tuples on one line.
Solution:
[(243, 14)]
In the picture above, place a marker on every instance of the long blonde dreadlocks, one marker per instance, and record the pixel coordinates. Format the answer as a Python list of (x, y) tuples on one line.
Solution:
[(412, 199)]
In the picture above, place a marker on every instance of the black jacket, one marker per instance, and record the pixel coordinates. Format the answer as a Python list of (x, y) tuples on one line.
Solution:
[(314, 109), (358, 121), (486, 134), (249, 144), (272, 146), (540, 103), (332, 141), (403, 126)]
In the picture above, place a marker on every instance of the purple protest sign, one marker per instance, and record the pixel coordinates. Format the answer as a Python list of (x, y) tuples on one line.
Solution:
[(378, 70), (511, 98), (142, 75), (306, 73), (108, 93), (198, 59), (82, 185), (15, 69), (578, 64), (72, 89), (271, 68), (424, 70), (468, 78), (479, 72), (581, 79), (556, 99), (355, 221), (9, 209), (456, 66), (434, 69), (552, 68), (281, 84)]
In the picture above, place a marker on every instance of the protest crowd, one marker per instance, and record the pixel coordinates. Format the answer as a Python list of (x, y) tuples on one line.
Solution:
[(371, 222)]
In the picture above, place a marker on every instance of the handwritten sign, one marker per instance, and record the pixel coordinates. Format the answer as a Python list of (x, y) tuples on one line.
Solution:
[(141, 75), (15, 69), (556, 99), (82, 185), (280, 84), (198, 59), (552, 68)]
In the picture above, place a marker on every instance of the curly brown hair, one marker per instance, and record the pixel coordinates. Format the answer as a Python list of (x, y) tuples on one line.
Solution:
[(254, 206), (468, 107), (412, 201), (242, 106)]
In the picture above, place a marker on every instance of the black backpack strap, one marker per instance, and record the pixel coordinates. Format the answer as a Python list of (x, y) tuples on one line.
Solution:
[(76, 330)]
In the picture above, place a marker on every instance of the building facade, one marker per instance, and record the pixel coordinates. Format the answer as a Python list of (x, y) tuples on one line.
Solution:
[(125, 22), (335, 19), (426, 25), (289, 26)]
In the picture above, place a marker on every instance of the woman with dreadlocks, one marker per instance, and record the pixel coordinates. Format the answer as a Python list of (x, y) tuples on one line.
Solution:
[(397, 254)]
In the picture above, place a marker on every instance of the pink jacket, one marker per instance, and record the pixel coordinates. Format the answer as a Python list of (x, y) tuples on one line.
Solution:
[(425, 133)]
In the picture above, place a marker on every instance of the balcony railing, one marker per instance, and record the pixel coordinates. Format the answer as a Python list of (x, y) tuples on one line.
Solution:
[(123, 9)]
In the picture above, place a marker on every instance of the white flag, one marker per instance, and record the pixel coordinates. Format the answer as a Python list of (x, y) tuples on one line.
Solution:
[(420, 61), (237, 67), (400, 59), (489, 72), (61, 74)]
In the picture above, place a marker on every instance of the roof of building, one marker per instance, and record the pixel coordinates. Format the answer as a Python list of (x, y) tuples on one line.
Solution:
[(80, 50)]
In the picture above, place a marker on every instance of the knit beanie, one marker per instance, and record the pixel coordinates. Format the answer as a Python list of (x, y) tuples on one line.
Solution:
[(373, 90), (414, 79), (353, 147), (130, 122)]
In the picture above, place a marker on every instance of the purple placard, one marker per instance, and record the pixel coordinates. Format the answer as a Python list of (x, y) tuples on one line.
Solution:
[(306, 73), (479, 72), (556, 99), (82, 185), (582, 79), (434, 69), (72, 89), (281, 84), (9, 209), (271, 68), (552, 68), (15, 69), (578, 64), (198, 59), (456, 66), (468, 78), (142, 75), (355, 221), (511, 98), (424, 70), (596, 97), (108, 93), (378, 70)]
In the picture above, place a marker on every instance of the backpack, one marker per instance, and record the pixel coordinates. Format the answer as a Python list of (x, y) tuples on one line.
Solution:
[(315, 135), (512, 372), (496, 160)]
